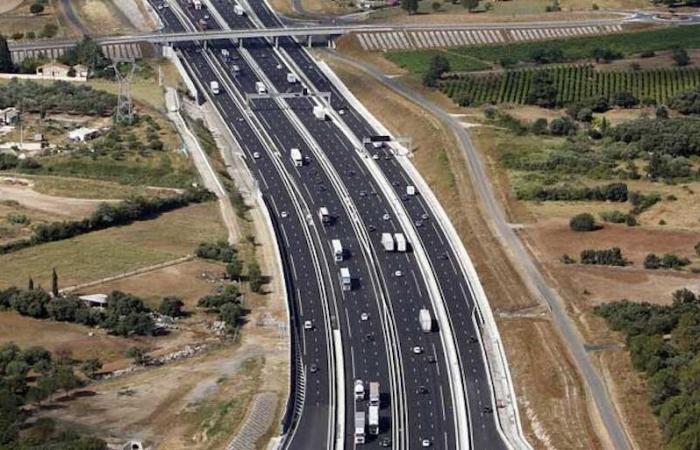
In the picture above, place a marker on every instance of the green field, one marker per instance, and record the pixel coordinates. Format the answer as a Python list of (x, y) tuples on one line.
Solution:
[(573, 83), (418, 61), (120, 249), (477, 58)]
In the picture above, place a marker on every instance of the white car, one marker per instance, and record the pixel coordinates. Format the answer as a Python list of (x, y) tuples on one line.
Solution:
[(375, 156), (284, 214), (425, 443), (386, 216), (256, 155), (398, 273), (364, 316), (417, 349), (308, 325)]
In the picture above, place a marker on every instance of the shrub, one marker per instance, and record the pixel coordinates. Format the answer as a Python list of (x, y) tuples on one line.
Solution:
[(562, 126), (540, 126), (680, 56), (171, 306), (667, 261), (647, 54), (606, 257), (624, 99), (697, 249), (583, 222), (642, 202), (36, 8)]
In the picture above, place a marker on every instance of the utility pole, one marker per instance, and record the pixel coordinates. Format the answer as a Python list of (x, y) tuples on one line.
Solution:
[(125, 106)]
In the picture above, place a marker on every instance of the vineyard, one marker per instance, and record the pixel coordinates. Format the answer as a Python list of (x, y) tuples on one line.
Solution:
[(573, 83)]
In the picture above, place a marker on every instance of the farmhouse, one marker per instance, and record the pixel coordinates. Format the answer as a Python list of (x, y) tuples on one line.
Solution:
[(96, 300), (53, 70), (9, 116)]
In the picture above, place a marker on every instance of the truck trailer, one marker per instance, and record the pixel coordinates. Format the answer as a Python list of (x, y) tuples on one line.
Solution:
[(238, 10), (388, 242), (425, 320), (260, 87), (214, 87), (359, 427), (374, 393), (338, 252), (292, 78), (373, 419), (401, 245)]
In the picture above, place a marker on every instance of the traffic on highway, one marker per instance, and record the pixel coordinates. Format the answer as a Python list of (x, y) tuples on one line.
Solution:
[(386, 336)]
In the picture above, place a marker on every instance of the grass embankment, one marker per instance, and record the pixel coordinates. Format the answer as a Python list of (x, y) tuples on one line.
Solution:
[(573, 49), (116, 250)]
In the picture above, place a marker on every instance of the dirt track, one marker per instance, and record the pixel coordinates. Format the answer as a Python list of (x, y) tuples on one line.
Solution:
[(20, 190)]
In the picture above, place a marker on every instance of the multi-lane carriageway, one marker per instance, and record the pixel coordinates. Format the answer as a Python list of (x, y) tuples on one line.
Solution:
[(376, 349), (368, 356)]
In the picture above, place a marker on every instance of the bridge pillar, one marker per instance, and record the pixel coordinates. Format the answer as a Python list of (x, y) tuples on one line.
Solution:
[(308, 41), (277, 41)]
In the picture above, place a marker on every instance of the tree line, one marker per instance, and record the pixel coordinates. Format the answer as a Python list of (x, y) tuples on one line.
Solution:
[(109, 215), (664, 343)]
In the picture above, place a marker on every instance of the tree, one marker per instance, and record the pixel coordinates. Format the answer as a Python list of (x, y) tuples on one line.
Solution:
[(625, 99), (605, 55), (36, 8), (255, 278), (438, 66), (138, 354), (662, 112), (171, 306), (30, 284), (583, 222), (32, 303), (411, 6), (54, 283), (470, 5), (90, 367), (234, 269), (231, 314), (540, 126), (543, 91), (436, 6), (6, 64), (697, 249), (680, 56), (562, 126)]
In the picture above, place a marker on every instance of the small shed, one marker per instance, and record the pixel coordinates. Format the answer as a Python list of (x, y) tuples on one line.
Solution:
[(9, 116), (83, 134), (53, 70), (81, 71), (95, 300)]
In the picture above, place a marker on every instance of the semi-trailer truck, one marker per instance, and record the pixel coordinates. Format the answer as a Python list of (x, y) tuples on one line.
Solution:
[(338, 252), (295, 153), (425, 320), (320, 112), (345, 280), (260, 87), (373, 419), (359, 427)]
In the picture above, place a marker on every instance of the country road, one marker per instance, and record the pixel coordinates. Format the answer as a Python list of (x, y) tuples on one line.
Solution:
[(509, 239)]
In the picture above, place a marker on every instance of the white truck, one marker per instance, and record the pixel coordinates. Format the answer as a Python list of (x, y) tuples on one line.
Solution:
[(359, 390), (197, 4), (260, 87), (374, 419), (324, 216), (425, 320), (214, 87), (400, 240), (292, 78), (388, 242), (359, 427), (238, 10), (320, 112), (374, 393), (225, 54), (295, 153), (410, 190), (338, 251), (345, 279)]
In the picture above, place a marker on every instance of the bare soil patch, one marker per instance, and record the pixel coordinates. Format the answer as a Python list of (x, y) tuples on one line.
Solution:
[(444, 168)]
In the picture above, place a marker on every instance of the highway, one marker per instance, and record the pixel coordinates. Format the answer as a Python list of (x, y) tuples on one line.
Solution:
[(366, 355), (453, 284)]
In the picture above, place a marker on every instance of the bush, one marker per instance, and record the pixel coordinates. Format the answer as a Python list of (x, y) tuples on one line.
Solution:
[(642, 202), (542, 92), (546, 55), (605, 54), (697, 249), (172, 307), (583, 222), (606, 257), (540, 126), (625, 100), (562, 126), (680, 56), (667, 261), (36, 8), (219, 251), (647, 54)]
